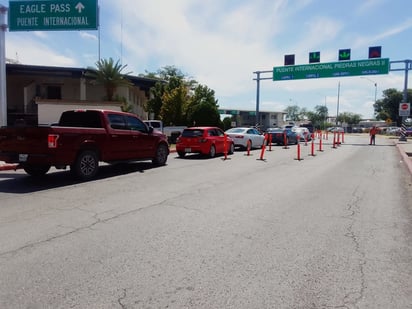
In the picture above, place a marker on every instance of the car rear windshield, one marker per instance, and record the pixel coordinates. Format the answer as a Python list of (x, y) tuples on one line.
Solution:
[(275, 130), (236, 130), (82, 119), (192, 133)]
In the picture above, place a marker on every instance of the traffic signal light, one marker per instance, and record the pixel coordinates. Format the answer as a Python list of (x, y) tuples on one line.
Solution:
[(314, 57), (344, 54), (375, 52), (289, 59)]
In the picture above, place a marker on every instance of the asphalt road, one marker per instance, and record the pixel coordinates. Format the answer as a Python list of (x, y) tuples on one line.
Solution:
[(330, 231)]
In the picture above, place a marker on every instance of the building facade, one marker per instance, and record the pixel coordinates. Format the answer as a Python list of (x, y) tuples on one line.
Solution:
[(38, 94), (247, 118)]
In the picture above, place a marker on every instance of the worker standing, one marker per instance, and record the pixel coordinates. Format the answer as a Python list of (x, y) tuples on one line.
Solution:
[(372, 133)]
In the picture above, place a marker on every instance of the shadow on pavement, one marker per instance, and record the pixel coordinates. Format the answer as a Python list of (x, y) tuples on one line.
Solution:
[(23, 183)]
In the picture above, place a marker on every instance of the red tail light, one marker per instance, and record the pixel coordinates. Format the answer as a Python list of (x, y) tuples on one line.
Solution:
[(52, 140)]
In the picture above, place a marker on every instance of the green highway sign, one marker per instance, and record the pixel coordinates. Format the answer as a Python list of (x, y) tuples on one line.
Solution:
[(48, 15), (332, 69)]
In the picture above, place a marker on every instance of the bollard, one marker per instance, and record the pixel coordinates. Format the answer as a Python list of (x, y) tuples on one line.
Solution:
[(248, 148), (270, 141), (343, 137), (285, 141), (225, 146), (298, 150), (338, 142), (263, 149), (334, 140), (313, 147), (320, 145)]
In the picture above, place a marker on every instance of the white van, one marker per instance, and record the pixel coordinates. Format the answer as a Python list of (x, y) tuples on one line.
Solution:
[(156, 124)]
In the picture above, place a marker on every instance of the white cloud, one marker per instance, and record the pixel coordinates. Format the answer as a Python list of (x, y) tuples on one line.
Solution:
[(221, 44), (37, 53), (88, 36)]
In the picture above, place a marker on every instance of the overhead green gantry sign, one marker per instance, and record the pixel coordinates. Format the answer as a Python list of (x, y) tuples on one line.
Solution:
[(332, 69)]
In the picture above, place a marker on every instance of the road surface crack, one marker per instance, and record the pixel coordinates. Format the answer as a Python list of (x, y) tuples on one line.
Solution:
[(351, 299), (122, 298)]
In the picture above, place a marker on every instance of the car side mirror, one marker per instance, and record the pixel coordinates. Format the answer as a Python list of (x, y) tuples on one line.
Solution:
[(150, 130)]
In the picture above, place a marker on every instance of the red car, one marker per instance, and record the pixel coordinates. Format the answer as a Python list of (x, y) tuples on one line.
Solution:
[(204, 140)]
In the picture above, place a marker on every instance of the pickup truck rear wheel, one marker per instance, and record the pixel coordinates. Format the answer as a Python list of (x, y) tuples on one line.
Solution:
[(162, 152), (86, 165), (36, 170)]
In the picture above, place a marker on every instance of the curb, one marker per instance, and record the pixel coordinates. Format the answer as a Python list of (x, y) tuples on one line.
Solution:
[(8, 167), (405, 157)]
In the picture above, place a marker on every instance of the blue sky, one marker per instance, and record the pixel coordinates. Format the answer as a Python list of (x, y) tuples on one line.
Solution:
[(221, 43)]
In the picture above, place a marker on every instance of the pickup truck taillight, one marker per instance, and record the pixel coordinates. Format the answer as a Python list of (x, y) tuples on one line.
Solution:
[(52, 140)]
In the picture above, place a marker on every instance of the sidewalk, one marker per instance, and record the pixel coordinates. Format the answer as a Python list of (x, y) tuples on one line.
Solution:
[(405, 149)]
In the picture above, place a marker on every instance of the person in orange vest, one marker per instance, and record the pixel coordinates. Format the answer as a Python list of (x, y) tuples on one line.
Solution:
[(373, 131)]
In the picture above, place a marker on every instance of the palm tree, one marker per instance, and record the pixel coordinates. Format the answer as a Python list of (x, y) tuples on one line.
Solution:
[(109, 74)]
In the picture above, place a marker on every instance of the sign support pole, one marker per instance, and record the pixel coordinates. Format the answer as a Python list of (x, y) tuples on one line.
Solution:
[(3, 76), (402, 137), (258, 79)]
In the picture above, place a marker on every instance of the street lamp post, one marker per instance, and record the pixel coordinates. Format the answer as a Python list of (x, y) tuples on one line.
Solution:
[(326, 116), (337, 105), (374, 83)]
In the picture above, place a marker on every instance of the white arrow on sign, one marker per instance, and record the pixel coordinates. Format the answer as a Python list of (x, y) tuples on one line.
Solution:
[(79, 7)]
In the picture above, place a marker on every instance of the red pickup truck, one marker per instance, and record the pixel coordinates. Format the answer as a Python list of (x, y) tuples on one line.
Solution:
[(80, 140)]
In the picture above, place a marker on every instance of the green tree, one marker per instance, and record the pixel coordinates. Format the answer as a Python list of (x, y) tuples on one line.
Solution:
[(169, 78), (173, 100), (388, 107), (349, 118), (293, 113), (319, 116), (109, 74), (206, 114), (202, 108), (154, 104), (227, 123), (180, 100)]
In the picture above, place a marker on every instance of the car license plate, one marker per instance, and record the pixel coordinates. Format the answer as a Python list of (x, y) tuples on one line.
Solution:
[(188, 149), (23, 157)]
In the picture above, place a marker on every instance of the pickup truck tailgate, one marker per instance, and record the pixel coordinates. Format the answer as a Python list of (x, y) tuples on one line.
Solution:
[(22, 140), (33, 139)]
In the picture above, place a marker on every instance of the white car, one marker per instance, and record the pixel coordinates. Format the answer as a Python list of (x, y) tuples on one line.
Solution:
[(242, 136), (303, 133), (336, 129)]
